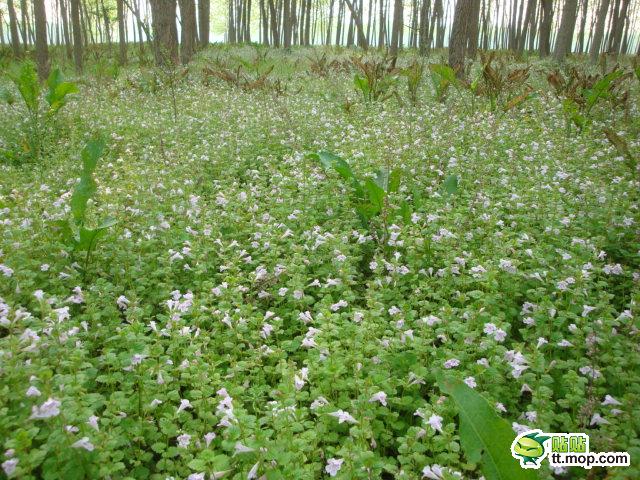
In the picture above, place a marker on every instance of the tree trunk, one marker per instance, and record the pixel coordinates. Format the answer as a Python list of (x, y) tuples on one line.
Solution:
[(165, 32), (526, 25), (459, 36), (42, 52), (423, 28), (398, 24), (188, 32), (273, 16), (357, 18), (596, 43), (13, 26), (545, 27), (77, 35), (583, 23), (204, 13), (122, 40), (565, 33), (618, 27), (472, 29)]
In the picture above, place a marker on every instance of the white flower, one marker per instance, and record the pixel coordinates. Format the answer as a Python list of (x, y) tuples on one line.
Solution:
[(33, 392), (9, 466), (240, 448), (50, 408), (609, 400), (586, 309), (507, 266), (319, 402), (209, 437), (471, 382), (343, 416), (184, 440), (122, 302), (85, 443), (196, 476), (184, 404), (93, 422), (433, 472), (598, 420), (333, 466), (253, 473), (379, 397), (435, 422), (451, 363)]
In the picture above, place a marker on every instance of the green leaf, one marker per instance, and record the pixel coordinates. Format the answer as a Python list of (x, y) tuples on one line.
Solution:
[(91, 153), (450, 185), (394, 180), (362, 84), (375, 194), (25, 78), (89, 236), (81, 195), (485, 437)]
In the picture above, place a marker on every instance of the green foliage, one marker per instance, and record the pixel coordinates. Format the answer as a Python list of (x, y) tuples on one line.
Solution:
[(442, 77), (413, 73), (376, 78), (485, 437), (370, 198), (40, 115), (75, 232)]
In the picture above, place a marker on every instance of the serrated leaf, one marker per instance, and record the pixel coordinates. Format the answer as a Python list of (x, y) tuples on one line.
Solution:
[(485, 437)]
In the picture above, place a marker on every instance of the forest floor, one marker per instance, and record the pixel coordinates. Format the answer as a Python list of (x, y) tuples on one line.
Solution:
[(262, 307)]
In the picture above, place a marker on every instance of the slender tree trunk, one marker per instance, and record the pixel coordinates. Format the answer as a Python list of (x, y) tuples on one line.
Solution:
[(596, 43), (583, 23), (459, 36), (382, 21), (618, 27), (357, 18), (122, 40), (565, 33), (188, 31), (522, 35), (204, 13), (77, 35), (273, 16), (42, 52), (13, 27), (396, 27), (545, 27), (472, 29), (65, 28)]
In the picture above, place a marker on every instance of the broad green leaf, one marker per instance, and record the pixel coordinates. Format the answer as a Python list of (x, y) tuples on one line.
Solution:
[(91, 153), (327, 159), (362, 84), (81, 195), (366, 211), (89, 236), (450, 184), (375, 194), (26, 79), (394, 180), (485, 437), (601, 88)]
